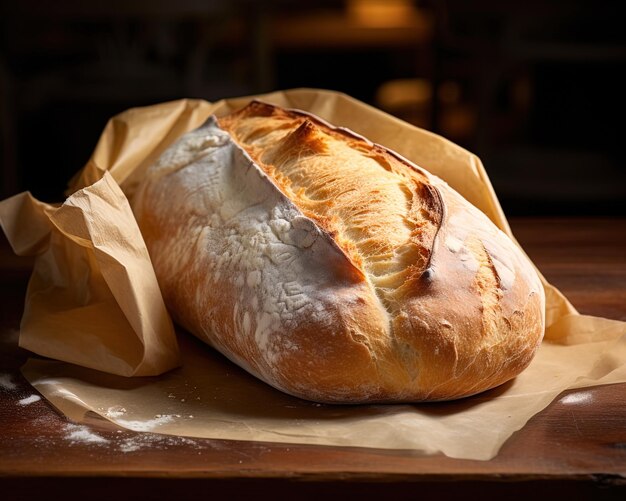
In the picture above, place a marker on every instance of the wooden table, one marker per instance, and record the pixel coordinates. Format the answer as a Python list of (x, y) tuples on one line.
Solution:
[(568, 450)]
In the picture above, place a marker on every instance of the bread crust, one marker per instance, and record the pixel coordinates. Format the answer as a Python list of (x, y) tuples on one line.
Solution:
[(332, 268)]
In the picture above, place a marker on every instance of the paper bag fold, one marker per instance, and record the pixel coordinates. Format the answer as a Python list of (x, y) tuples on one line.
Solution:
[(93, 298)]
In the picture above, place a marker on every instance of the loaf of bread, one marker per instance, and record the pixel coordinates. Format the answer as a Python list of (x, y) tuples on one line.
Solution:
[(332, 268)]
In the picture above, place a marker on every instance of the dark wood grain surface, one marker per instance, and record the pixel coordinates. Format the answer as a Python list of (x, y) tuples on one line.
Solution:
[(574, 449)]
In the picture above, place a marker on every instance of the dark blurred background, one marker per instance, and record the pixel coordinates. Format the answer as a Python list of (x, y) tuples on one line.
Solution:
[(535, 88)]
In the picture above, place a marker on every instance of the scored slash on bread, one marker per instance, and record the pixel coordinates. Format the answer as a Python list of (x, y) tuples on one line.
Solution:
[(333, 197), (333, 268)]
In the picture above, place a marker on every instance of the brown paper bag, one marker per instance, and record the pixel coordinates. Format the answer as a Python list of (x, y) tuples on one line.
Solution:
[(92, 264), (93, 298)]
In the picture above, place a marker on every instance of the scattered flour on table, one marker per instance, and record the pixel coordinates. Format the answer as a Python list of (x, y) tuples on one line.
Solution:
[(82, 434), (30, 400), (150, 441), (580, 397), (6, 383)]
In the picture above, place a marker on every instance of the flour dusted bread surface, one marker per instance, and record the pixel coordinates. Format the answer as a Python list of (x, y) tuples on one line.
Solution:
[(332, 268)]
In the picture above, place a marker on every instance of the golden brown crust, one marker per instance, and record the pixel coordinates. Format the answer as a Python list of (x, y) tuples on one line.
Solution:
[(333, 268)]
